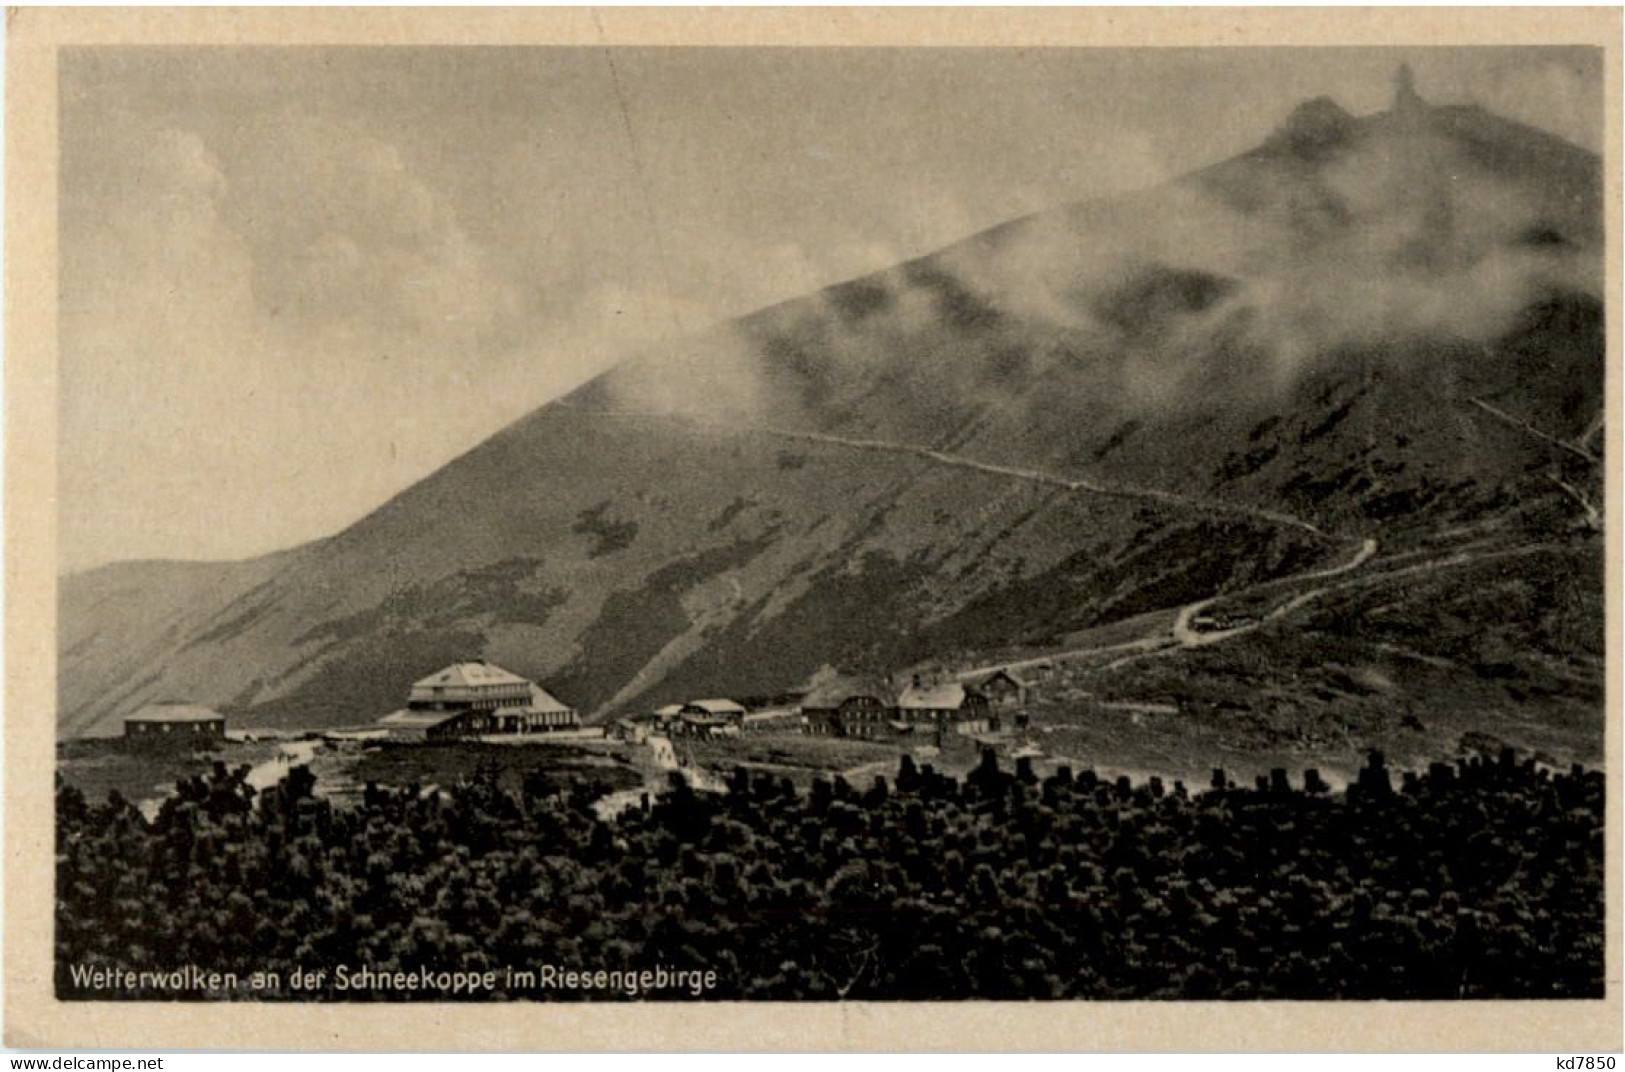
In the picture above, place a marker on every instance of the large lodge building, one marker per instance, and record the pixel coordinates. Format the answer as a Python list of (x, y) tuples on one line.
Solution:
[(476, 699)]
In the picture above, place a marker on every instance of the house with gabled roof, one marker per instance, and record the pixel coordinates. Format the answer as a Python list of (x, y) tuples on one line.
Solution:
[(1003, 688), (849, 705), (476, 698), (947, 706), (710, 718)]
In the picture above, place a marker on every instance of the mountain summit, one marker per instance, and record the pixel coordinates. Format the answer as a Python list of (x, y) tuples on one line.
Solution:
[(1108, 409), (1406, 100)]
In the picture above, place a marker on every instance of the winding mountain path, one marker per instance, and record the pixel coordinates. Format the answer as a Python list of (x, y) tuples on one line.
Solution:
[(940, 457), (1140, 645), (1188, 636), (1183, 633)]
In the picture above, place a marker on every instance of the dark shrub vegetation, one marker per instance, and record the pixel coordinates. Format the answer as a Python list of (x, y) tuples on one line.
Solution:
[(1479, 879)]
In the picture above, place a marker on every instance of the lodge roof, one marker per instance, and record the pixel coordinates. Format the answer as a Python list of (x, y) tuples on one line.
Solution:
[(1001, 672), (771, 714), (469, 674), (838, 690), (945, 697), (542, 700), (717, 707), (176, 712), (407, 719)]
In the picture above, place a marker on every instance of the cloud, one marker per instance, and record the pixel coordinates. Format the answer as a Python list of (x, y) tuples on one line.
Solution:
[(344, 229), (1560, 92), (1241, 282), (166, 222), (230, 388)]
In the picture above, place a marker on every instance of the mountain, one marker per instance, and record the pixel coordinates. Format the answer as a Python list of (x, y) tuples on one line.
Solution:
[(1380, 328)]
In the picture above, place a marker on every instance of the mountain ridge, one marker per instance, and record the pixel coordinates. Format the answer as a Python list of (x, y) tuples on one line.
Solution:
[(1189, 341)]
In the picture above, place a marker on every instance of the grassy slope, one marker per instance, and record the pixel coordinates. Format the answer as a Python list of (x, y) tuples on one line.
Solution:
[(1506, 647)]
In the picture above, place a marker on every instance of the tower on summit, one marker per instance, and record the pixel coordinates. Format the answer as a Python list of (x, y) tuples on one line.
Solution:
[(1406, 99)]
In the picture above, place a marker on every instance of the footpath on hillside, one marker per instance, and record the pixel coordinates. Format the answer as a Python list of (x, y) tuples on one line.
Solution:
[(941, 457), (1183, 633)]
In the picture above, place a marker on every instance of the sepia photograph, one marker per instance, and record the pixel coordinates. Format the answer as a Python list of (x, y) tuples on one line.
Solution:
[(660, 523)]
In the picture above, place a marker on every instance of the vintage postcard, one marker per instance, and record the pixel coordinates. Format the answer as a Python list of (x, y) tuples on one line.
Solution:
[(813, 529)]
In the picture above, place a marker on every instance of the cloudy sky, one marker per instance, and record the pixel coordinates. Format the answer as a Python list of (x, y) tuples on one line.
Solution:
[(296, 280)]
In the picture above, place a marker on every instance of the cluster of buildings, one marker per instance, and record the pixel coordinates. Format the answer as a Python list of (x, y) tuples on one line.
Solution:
[(933, 706), (478, 699), (708, 718), (927, 705), (697, 718)]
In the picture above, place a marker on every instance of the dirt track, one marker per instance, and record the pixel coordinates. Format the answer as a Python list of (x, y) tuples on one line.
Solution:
[(939, 457), (1182, 635), (1189, 637)]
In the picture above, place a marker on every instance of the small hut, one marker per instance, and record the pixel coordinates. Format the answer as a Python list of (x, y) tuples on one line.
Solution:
[(175, 726)]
